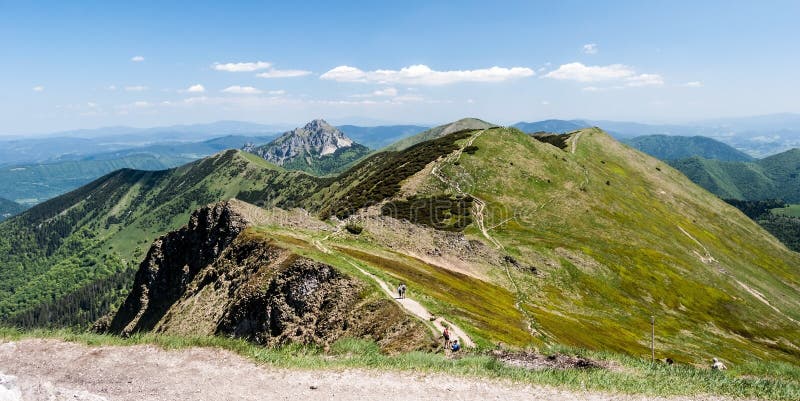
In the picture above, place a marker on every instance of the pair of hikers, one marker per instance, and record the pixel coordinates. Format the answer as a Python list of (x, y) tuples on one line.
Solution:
[(448, 344), (401, 290)]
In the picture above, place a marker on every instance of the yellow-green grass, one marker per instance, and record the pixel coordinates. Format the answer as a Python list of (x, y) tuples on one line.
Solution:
[(629, 238), (485, 310)]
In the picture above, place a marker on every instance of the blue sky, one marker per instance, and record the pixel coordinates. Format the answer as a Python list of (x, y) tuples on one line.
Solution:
[(94, 64)]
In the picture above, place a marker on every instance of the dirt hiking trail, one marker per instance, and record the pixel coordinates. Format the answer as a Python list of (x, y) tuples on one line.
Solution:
[(410, 305), (55, 370), (416, 309)]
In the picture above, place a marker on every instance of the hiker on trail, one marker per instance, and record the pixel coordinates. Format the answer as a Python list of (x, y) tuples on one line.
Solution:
[(446, 336), (401, 290), (456, 346), (718, 365)]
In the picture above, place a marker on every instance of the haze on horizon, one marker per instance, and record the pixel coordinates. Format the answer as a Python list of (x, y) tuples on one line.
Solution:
[(70, 66)]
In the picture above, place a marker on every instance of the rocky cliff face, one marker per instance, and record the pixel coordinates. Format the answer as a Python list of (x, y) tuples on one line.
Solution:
[(315, 139), (216, 277)]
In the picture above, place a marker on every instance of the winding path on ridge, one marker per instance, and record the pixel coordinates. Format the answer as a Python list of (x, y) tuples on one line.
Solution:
[(478, 212), (412, 306), (479, 205)]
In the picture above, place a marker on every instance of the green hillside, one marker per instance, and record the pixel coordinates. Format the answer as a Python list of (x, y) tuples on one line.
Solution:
[(31, 184), (9, 208), (53, 255), (774, 177), (667, 147)]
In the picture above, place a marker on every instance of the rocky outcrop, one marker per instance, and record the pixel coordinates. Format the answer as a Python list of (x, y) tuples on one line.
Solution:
[(217, 277), (174, 260), (315, 139)]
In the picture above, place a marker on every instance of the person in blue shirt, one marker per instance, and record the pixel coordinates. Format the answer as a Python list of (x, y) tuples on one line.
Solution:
[(456, 346)]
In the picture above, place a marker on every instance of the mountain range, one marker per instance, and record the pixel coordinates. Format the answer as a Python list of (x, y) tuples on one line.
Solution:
[(667, 147), (554, 126), (513, 239), (36, 169), (773, 177)]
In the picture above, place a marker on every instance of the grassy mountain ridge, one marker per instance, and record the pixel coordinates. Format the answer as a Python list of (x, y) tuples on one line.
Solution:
[(442, 130), (659, 244), (666, 147)]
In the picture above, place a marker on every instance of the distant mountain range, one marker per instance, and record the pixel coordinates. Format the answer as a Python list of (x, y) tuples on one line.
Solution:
[(33, 183), (666, 147), (774, 177), (555, 126), (758, 136), (380, 136), (36, 169), (63, 161), (71, 145)]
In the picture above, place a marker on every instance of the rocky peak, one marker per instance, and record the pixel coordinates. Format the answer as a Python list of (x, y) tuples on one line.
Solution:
[(175, 258), (315, 139)]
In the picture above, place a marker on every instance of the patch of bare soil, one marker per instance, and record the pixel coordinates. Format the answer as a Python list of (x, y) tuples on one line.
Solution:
[(533, 361)]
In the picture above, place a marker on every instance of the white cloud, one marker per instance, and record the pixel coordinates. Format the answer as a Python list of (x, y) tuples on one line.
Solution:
[(136, 88), (242, 90), (590, 48), (545, 103), (424, 75), (272, 73), (387, 92), (645, 80), (407, 99), (583, 73), (38, 88), (111, 87), (277, 92), (242, 67), (693, 84), (141, 104), (196, 89), (137, 59), (614, 72)]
